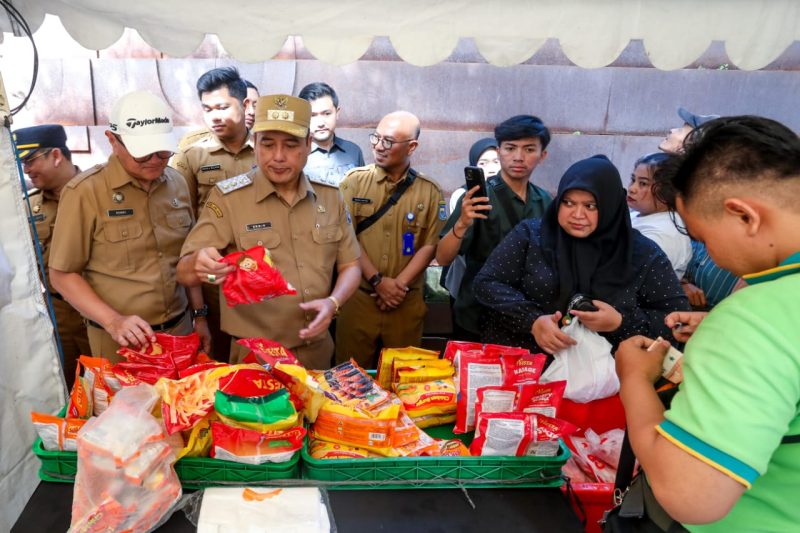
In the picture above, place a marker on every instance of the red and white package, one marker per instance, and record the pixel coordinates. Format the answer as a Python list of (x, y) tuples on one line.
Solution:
[(501, 350), (496, 399), (519, 434), (451, 351), (606, 447), (253, 447), (599, 469), (522, 369), (543, 398), (475, 370), (255, 279)]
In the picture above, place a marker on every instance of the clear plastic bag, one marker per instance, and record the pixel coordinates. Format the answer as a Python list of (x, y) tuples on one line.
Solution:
[(125, 480)]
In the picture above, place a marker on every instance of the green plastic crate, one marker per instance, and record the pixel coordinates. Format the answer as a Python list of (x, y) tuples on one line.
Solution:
[(436, 472), (194, 472)]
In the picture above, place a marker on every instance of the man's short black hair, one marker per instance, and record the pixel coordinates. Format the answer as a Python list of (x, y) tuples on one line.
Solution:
[(521, 127), (249, 85), (750, 150), (222, 77), (317, 90)]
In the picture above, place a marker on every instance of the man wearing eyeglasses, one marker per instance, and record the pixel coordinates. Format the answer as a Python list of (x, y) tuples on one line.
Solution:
[(119, 232), (396, 247), (48, 163)]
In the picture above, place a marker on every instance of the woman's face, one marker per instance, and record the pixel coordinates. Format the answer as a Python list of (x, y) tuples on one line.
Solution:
[(489, 162), (640, 191), (577, 214)]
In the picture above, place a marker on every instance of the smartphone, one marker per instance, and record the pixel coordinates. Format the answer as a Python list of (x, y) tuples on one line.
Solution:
[(474, 176)]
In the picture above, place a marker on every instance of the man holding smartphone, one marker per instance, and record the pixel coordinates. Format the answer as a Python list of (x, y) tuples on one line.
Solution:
[(478, 224)]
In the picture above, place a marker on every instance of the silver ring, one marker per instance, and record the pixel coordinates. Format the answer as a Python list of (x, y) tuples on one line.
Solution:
[(211, 278)]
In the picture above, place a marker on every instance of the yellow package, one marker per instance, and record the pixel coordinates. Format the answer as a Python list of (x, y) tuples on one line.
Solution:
[(384, 377), (430, 398), (320, 449), (305, 387), (421, 371), (280, 425), (429, 421), (198, 443)]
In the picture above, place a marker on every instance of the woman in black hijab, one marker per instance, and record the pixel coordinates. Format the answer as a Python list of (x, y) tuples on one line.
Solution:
[(584, 244)]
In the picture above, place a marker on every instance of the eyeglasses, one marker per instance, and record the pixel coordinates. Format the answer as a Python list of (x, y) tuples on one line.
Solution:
[(163, 154), (28, 160), (387, 144)]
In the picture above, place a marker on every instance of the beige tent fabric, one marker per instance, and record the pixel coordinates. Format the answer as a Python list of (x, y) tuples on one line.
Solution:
[(592, 32)]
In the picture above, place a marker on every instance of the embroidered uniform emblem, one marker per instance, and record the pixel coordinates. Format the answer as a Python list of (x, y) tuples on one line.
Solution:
[(234, 183), (442, 211), (281, 102), (118, 198), (214, 209)]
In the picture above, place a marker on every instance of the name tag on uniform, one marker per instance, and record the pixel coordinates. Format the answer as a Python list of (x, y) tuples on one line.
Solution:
[(38, 218), (257, 226), (207, 168), (120, 212), (362, 200)]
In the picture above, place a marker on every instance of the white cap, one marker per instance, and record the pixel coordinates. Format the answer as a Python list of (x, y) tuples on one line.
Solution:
[(144, 122)]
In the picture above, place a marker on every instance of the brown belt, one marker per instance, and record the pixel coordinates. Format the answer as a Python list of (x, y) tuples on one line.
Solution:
[(169, 324)]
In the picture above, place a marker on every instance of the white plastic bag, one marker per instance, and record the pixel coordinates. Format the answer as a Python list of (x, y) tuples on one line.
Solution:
[(587, 366)]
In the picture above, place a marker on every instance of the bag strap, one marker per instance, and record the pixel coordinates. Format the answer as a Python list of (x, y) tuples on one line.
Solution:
[(393, 199), (791, 439)]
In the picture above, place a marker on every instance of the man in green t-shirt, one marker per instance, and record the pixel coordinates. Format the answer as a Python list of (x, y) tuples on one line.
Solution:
[(476, 227), (726, 455)]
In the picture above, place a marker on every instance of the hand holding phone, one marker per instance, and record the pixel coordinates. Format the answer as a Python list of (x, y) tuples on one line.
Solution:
[(474, 176)]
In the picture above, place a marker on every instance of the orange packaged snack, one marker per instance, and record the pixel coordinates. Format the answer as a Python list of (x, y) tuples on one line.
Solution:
[(255, 279)]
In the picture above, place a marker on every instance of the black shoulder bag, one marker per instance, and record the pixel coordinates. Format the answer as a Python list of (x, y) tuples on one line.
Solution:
[(393, 199)]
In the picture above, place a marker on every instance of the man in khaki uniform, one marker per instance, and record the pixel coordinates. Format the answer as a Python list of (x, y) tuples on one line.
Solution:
[(227, 151), (119, 231), (396, 248), (306, 229), (48, 163)]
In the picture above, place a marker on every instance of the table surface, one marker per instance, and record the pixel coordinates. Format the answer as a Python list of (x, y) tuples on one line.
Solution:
[(418, 511)]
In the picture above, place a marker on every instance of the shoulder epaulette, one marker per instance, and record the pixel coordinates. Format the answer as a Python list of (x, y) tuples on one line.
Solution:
[(79, 178), (429, 180), (235, 183)]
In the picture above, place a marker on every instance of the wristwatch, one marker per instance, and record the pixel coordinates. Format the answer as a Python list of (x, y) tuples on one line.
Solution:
[(200, 313), (375, 280)]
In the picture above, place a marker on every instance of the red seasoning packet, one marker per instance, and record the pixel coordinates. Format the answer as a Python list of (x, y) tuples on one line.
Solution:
[(255, 279)]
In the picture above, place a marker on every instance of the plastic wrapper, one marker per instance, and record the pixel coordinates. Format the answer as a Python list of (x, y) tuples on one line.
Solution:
[(197, 439), (475, 370), (429, 398), (100, 379), (57, 434), (164, 358), (452, 448), (454, 348), (519, 434), (248, 446), (522, 369), (421, 371), (306, 388), (125, 479), (345, 425), (255, 279), (80, 404), (388, 356), (185, 401), (349, 385), (264, 409), (429, 421), (592, 465), (320, 449), (543, 398), (257, 509), (266, 352)]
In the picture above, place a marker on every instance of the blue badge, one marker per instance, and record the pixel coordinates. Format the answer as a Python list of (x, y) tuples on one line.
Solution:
[(408, 243), (442, 210), (349, 220), (410, 216)]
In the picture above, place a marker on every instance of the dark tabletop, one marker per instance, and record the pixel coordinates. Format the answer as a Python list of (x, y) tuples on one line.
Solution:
[(418, 511)]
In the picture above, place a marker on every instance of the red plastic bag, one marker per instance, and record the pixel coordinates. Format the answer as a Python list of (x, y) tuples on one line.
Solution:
[(255, 278)]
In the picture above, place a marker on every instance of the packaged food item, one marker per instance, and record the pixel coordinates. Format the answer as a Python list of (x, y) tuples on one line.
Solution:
[(405, 431), (421, 371), (519, 434), (250, 381), (388, 355), (453, 348), (255, 279), (452, 448), (423, 445), (254, 447), (599, 469), (354, 427), (522, 368), (185, 401), (100, 380), (320, 449), (267, 409), (306, 388), (266, 352), (606, 447), (475, 370), (350, 385), (81, 404), (501, 350), (167, 357), (496, 399), (198, 439), (50, 429), (429, 398), (543, 398), (428, 421)]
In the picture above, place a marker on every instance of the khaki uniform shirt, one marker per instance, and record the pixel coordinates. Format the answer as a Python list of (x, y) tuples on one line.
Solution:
[(125, 241), (44, 207), (192, 137), (421, 211), (306, 240), (207, 162)]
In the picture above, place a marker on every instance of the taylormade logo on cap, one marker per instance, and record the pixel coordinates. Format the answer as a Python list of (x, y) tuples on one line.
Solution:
[(133, 122)]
